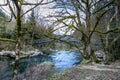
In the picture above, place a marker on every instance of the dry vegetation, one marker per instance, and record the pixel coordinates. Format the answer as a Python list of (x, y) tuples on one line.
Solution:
[(39, 71), (6, 45), (89, 72)]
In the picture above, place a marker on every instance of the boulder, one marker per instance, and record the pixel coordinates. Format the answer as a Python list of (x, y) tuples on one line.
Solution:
[(100, 55)]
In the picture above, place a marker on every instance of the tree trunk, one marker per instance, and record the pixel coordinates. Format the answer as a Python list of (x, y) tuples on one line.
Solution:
[(88, 52), (107, 43), (116, 11), (17, 47)]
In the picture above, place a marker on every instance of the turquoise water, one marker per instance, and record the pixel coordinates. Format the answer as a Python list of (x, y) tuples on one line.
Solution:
[(62, 59), (65, 59)]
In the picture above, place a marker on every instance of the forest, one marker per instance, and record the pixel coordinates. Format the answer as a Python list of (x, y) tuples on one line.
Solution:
[(59, 39)]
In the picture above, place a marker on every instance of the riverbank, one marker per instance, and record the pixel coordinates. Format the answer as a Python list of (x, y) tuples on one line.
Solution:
[(79, 72), (89, 72), (61, 59)]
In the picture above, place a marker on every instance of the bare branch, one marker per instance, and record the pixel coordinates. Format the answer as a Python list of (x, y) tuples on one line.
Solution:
[(103, 6), (94, 3), (4, 4), (111, 19), (80, 6), (114, 40), (97, 22), (59, 38), (115, 30), (11, 9), (11, 17), (84, 1), (37, 4), (40, 3), (58, 28), (77, 13)]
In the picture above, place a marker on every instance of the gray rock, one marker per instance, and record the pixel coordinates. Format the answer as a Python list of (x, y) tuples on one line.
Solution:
[(29, 53), (100, 55)]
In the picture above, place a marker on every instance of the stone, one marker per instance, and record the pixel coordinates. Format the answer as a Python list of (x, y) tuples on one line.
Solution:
[(100, 55)]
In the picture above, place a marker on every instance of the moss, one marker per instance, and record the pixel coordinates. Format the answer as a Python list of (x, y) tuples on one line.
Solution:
[(6, 39), (23, 56), (95, 58), (85, 61)]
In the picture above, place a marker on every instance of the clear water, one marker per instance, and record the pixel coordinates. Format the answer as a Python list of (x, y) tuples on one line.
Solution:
[(65, 59), (61, 59)]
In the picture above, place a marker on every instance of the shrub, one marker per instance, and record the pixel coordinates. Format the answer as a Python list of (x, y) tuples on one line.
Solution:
[(39, 71)]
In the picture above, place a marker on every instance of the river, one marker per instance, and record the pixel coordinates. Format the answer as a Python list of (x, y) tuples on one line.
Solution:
[(61, 59)]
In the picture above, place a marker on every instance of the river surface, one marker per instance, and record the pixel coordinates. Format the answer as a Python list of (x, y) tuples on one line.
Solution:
[(65, 59), (61, 59)]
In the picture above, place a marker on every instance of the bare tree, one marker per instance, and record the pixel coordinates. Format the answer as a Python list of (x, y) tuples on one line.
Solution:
[(111, 27), (15, 7), (84, 11)]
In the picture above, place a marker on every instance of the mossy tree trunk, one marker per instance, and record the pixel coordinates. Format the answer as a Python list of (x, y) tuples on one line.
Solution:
[(88, 52), (18, 40), (109, 43), (15, 9)]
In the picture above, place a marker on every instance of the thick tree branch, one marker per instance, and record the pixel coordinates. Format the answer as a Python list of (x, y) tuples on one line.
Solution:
[(115, 30), (97, 22), (114, 40), (60, 39), (11, 9), (6, 39)]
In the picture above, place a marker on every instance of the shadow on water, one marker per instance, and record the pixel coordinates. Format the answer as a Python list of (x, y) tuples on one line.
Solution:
[(61, 59)]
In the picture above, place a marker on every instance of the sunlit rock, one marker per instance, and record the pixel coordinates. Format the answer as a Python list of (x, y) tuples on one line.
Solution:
[(29, 53), (35, 52)]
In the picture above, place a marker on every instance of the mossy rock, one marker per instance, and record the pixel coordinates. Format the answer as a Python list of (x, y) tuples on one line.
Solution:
[(23, 56)]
